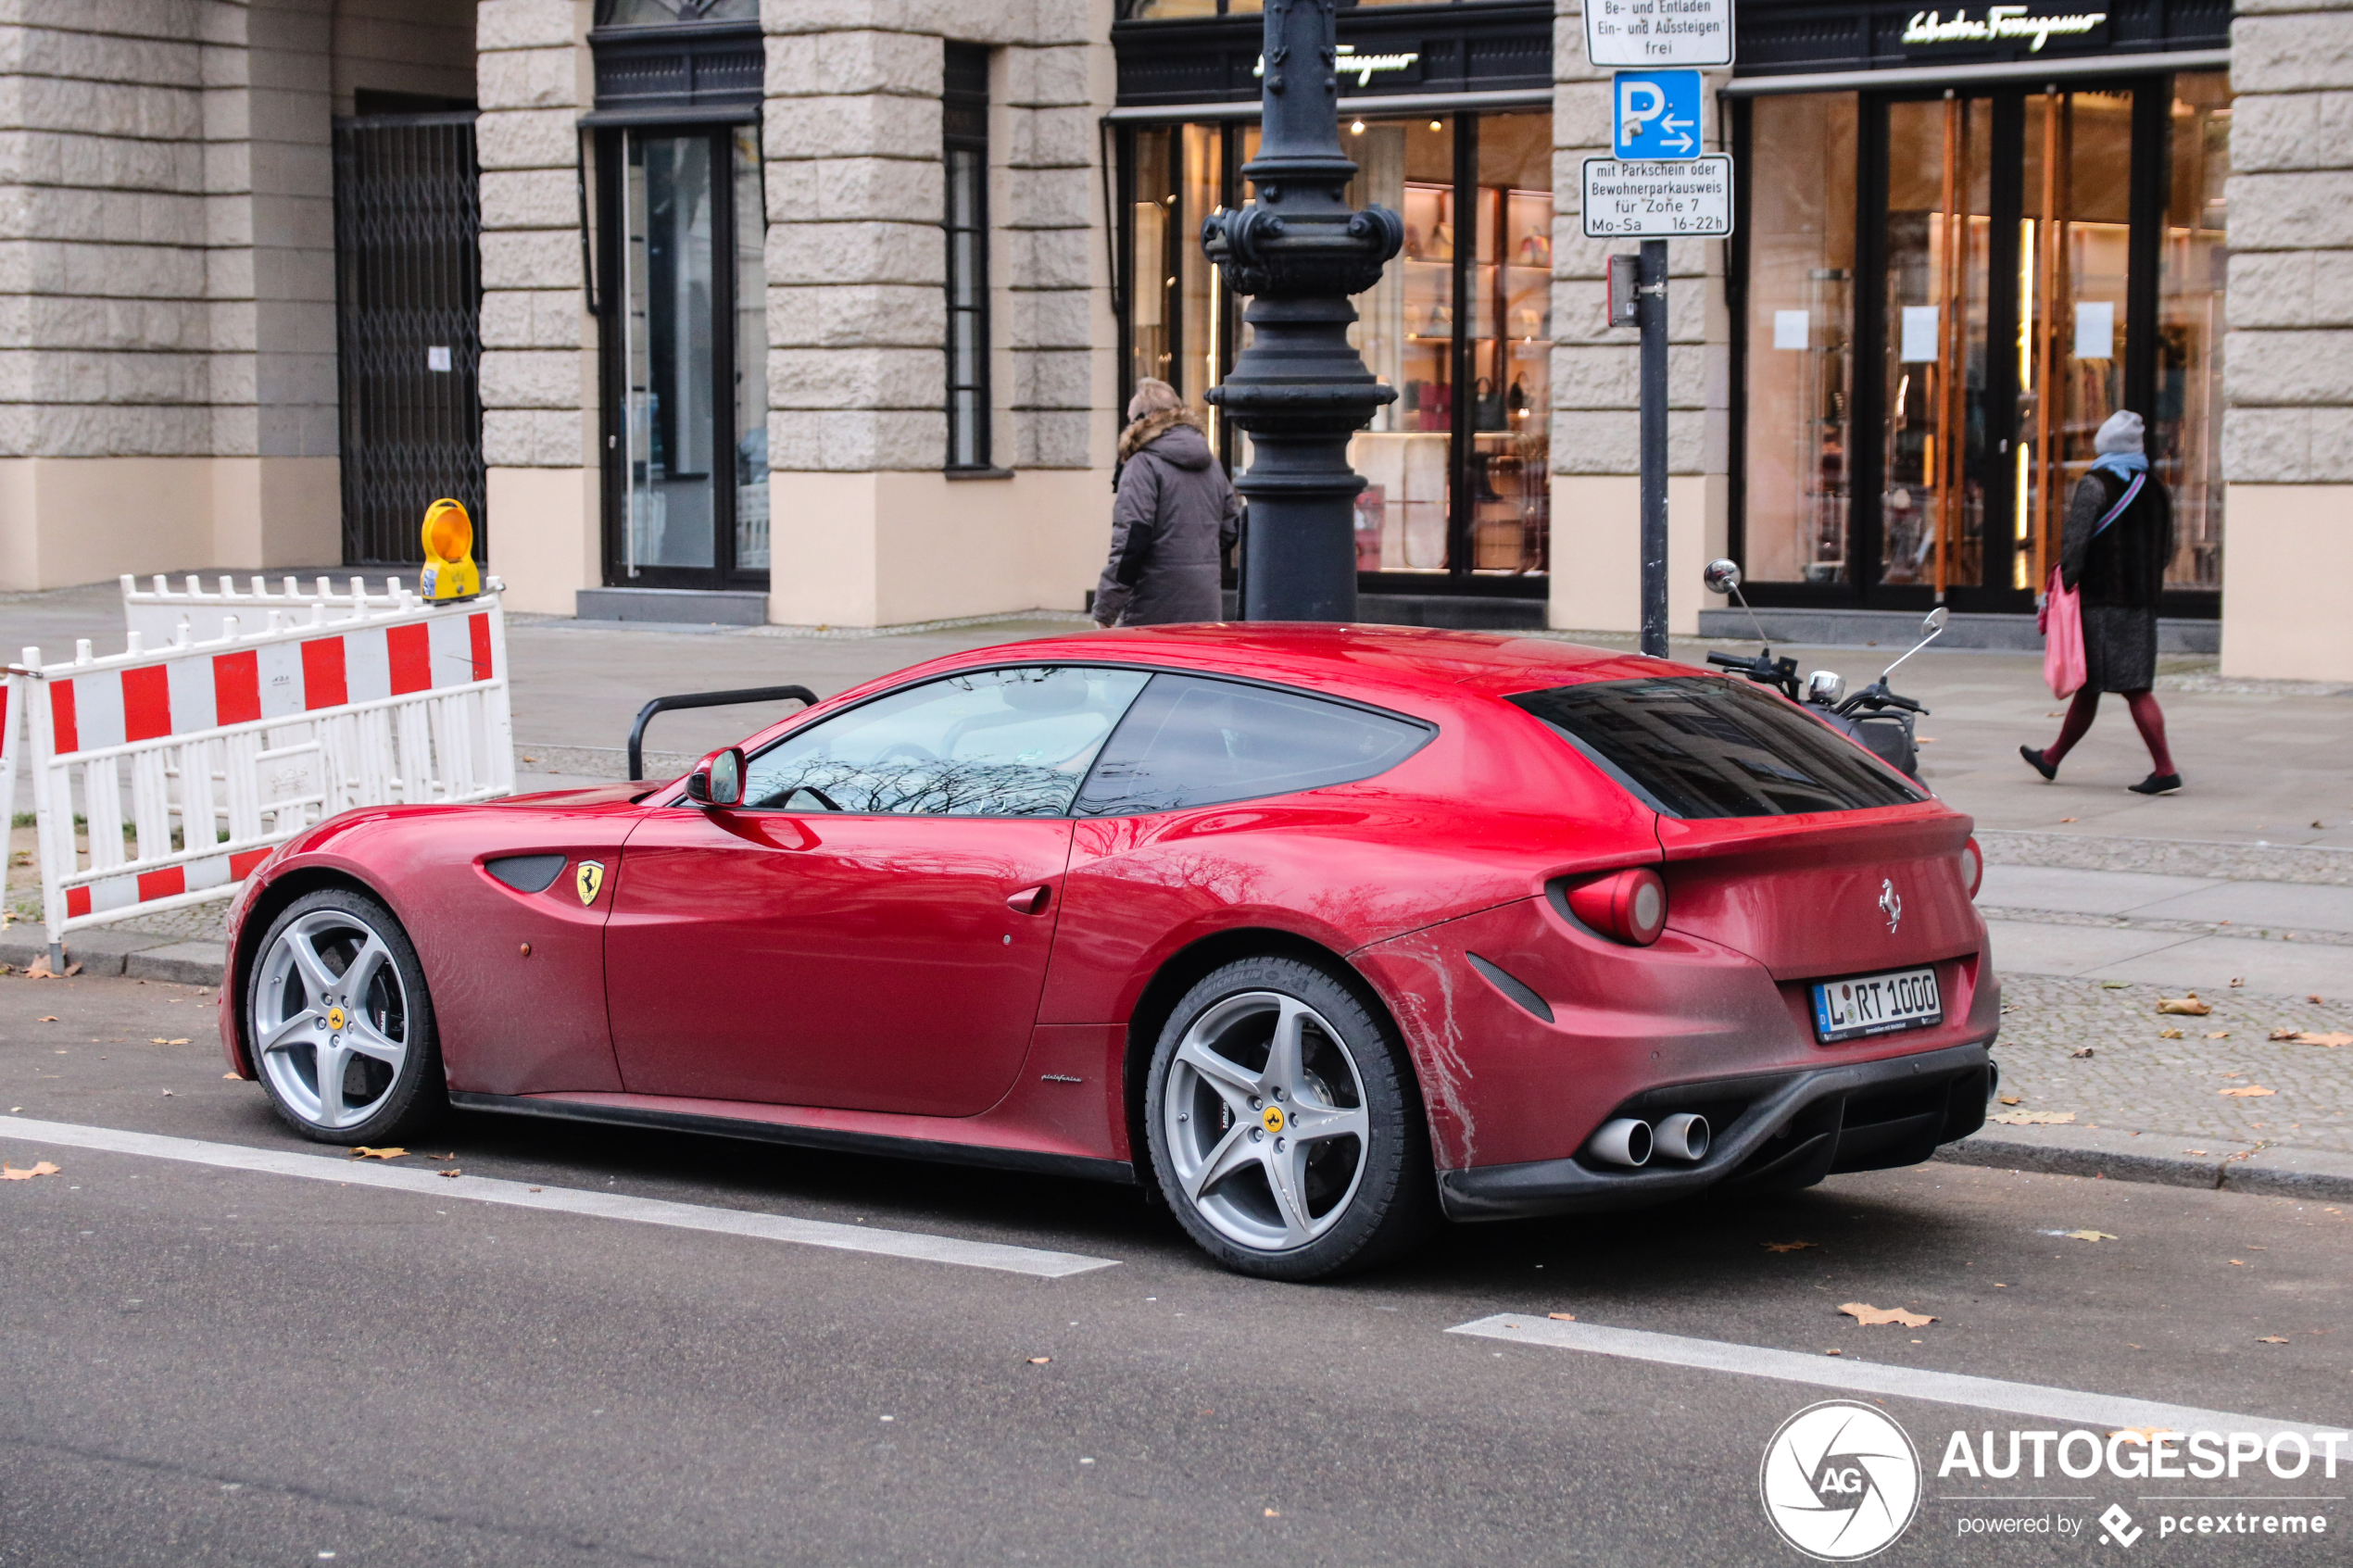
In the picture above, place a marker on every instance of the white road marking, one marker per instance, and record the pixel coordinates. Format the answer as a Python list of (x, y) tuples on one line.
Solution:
[(562, 1201), (2109, 1412)]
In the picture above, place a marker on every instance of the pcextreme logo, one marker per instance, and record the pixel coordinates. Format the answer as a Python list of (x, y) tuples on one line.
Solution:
[(1841, 1481)]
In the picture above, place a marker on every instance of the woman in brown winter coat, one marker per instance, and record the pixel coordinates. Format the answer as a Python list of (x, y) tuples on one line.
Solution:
[(2119, 536), (1174, 521)]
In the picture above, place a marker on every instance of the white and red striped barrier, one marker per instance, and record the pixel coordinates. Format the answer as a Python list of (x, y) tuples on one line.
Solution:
[(158, 611), (190, 762)]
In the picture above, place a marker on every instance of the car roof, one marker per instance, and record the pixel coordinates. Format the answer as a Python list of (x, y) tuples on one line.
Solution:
[(1362, 661)]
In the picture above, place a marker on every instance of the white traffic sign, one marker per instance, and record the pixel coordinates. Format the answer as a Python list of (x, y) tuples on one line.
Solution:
[(1659, 201), (1656, 115), (1658, 33)]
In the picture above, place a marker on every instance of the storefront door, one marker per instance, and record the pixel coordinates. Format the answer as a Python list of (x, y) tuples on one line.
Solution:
[(686, 437), (1946, 296)]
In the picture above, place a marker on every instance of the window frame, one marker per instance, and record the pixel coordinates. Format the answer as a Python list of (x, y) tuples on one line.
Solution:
[(965, 132), (1431, 728)]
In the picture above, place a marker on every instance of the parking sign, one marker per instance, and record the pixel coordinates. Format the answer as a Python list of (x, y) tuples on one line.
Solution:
[(1655, 115), (1658, 33)]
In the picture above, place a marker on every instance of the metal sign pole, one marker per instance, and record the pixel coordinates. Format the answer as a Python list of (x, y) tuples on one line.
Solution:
[(1652, 299)]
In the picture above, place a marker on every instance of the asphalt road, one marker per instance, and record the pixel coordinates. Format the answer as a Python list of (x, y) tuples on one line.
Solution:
[(204, 1365)]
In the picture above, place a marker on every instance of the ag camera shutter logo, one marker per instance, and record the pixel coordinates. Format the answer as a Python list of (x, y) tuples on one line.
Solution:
[(1841, 1481)]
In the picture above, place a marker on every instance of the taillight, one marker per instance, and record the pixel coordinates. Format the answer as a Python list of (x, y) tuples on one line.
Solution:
[(1972, 866), (1628, 905)]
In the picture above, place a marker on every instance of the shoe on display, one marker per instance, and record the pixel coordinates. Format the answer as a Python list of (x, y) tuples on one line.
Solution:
[(2156, 783), (2034, 760)]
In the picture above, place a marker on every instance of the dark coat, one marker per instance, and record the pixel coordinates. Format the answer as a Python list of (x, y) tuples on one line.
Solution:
[(2121, 574), (1176, 516)]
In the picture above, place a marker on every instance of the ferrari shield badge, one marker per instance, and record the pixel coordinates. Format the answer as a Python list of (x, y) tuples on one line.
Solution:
[(588, 879)]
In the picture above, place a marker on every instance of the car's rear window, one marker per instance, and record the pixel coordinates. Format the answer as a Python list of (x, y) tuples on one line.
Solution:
[(1697, 746)]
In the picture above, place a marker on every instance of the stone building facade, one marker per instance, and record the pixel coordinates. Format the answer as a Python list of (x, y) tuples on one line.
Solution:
[(170, 370)]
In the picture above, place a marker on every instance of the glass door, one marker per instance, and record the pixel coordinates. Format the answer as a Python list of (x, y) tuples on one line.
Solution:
[(686, 437)]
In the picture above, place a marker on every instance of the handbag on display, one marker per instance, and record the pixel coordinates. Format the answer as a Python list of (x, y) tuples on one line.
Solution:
[(1487, 409)]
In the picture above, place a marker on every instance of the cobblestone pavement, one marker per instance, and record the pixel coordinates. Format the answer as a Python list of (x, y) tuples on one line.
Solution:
[(2137, 1080)]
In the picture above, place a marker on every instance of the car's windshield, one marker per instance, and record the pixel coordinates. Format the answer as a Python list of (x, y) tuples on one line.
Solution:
[(1697, 746)]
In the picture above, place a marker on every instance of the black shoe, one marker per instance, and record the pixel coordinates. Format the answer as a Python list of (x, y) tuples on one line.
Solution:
[(2156, 783), (2034, 760)]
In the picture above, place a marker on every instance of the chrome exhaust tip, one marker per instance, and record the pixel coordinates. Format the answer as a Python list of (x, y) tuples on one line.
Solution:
[(1623, 1142), (1683, 1136)]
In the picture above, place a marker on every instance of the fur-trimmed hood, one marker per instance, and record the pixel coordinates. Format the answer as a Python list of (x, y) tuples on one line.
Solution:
[(1186, 451)]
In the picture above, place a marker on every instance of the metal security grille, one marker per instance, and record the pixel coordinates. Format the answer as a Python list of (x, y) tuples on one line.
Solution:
[(408, 328)]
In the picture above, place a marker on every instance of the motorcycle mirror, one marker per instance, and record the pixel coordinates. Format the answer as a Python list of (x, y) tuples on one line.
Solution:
[(1935, 622), (1722, 576), (1932, 628), (1825, 686)]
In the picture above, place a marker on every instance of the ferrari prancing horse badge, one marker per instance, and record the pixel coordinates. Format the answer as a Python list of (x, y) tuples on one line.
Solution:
[(588, 879)]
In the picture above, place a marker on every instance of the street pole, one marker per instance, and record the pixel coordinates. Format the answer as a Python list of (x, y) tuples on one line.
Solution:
[(1652, 298), (1300, 389)]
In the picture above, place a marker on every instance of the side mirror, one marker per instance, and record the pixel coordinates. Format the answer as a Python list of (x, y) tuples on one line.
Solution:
[(1935, 622), (1722, 576), (718, 779)]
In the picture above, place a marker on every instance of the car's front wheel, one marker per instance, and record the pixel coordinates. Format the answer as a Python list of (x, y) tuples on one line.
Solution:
[(1285, 1127), (338, 1026)]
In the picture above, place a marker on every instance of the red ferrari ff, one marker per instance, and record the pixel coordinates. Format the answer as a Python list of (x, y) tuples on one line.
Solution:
[(1325, 930)]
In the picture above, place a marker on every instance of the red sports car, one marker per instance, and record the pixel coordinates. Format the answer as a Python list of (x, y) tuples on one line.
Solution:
[(1327, 931)]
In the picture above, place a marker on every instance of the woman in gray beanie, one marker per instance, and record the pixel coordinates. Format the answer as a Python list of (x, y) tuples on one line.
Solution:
[(1174, 521), (2119, 534)]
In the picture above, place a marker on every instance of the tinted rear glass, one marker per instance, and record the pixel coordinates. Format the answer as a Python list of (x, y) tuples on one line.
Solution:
[(1694, 746), (1195, 742)]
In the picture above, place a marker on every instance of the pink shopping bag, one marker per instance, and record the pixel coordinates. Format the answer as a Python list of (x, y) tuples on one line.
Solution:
[(2062, 626)]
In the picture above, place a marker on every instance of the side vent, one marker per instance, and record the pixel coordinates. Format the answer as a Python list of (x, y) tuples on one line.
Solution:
[(527, 874), (1516, 990)]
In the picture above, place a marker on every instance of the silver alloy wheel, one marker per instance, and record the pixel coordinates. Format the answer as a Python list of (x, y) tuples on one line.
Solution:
[(331, 1019), (1265, 1120)]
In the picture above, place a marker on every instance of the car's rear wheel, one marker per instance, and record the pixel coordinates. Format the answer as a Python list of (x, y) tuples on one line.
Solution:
[(338, 1024), (1285, 1129)]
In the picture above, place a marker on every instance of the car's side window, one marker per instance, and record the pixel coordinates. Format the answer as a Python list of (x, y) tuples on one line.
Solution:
[(988, 743), (1192, 741)]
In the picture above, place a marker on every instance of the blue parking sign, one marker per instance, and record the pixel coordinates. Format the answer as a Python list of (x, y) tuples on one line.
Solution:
[(1654, 114)]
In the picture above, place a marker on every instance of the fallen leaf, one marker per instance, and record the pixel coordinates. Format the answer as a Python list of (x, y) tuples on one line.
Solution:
[(50, 1018), (2009, 1099), (2237, 981), (1272, 1515), (2270, 1339), (2219, 1035), (1830, 1352), (2193, 1151), (231, 1076), (2333, 1038), (2238, 1263), (2036, 1118), (2188, 1005), (1040, 1360), (2248, 1091), (159, 1040), (1561, 1317), (167, 1094), (1785, 1246), (2284, 1034), (2169, 1034), (364, 1152), (1925, 740), (2090, 1235), (441, 1157), (453, 1171), (2067, 819), (182, 1041), (40, 1168), (1999, 1285), (1871, 1317), (2143, 1434), (2116, 985), (2314, 1000), (2080, 1055)]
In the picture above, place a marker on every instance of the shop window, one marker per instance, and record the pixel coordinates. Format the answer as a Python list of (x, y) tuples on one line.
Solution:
[(669, 13), (1801, 322), (2185, 427), (964, 114)]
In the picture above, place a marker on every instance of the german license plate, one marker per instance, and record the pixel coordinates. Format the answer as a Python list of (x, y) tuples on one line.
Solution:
[(1876, 1004)]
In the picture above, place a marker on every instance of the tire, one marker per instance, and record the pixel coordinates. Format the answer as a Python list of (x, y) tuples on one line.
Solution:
[(373, 1038), (1224, 1114)]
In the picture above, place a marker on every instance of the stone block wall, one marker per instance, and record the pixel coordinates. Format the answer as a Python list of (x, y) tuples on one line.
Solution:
[(857, 313)]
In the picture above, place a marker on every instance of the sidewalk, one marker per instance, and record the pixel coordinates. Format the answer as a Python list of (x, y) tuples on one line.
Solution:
[(2098, 900)]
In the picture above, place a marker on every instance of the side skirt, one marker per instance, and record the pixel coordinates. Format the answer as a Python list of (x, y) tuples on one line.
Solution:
[(1070, 1165)]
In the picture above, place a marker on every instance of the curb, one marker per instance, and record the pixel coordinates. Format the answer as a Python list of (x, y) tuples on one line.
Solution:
[(139, 955), (2161, 1159)]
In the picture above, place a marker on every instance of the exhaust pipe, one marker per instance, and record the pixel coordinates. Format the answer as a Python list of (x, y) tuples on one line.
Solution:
[(1683, 1136), (1623, 1142)]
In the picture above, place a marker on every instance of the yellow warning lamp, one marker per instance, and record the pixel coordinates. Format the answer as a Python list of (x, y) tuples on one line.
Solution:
[(449, 572)]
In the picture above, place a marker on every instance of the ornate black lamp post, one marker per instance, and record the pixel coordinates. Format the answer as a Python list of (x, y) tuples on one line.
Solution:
[(1300, 390)]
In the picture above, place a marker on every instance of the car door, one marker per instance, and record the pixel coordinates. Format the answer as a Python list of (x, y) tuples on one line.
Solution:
[(869, 929)]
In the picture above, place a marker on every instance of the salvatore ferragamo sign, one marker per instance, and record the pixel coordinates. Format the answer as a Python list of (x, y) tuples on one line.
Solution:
[(1997, 25)]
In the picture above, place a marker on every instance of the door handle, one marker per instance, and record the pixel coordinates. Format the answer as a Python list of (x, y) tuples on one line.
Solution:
[(1031, 900)]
